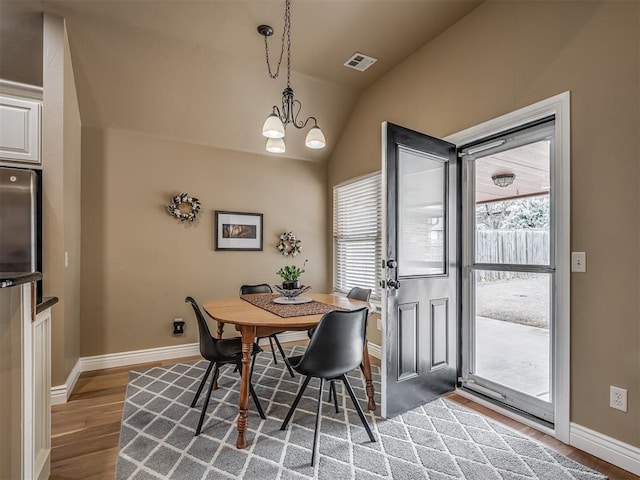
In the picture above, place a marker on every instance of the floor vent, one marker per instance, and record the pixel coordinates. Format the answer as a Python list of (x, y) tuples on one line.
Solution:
[(360, 61)]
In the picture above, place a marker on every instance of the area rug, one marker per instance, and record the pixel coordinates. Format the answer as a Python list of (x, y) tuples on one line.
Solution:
[(437, 441)]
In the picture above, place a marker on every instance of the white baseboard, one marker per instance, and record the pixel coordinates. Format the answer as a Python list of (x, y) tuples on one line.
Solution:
[(60, 393), (122, 359), (613, 451), (287, 337), (374, 350)]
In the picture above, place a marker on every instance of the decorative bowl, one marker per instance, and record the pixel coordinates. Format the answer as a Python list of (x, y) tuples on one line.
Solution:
[(293, 292)]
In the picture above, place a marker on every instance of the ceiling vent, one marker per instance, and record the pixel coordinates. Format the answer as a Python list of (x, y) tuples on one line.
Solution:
[(360, 61)]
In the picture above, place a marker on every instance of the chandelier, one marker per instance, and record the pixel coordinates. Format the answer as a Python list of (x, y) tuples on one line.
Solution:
[(276, 123)]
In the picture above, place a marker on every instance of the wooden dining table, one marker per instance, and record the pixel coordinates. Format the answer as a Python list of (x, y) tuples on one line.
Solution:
[(255, 322)]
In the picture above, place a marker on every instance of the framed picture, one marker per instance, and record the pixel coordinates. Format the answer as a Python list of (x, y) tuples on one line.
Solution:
[(238, 231)]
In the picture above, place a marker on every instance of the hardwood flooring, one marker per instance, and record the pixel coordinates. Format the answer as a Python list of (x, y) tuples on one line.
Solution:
[(85, 430)]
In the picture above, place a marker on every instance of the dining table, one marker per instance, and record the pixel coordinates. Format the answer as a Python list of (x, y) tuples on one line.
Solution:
[(253, 316)]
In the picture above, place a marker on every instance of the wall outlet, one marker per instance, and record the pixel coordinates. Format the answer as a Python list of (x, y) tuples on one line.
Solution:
[(178, 326), (379, 324), (618, 398)]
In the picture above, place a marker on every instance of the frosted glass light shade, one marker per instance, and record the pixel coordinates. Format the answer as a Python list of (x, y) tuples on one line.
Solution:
[(273, 127), (276, 145), (315, 138)]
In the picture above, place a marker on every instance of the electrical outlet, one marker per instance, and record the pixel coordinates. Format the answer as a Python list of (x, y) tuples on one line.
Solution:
[(178, 326), (618, 398), (379, 324)]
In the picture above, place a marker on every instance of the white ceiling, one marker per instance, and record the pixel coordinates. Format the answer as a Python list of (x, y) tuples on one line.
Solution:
[(195, 70)]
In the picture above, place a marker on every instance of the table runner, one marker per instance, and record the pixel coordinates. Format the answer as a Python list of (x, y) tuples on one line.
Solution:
[(265, 301)]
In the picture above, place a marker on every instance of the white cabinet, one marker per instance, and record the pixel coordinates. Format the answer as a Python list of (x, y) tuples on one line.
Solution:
[(25, 376), (41, 357), (20, 123)]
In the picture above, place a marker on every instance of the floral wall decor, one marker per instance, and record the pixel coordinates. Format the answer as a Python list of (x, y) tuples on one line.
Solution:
[(289, 245), (184, 208)]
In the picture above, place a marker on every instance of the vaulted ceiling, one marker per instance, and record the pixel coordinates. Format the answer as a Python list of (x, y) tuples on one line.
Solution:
[(195, 70)]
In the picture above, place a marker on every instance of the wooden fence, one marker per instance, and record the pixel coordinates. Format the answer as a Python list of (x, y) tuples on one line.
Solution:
[(528, 247)]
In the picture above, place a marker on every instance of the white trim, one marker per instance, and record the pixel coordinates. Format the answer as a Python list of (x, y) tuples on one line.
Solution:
[(613, 451), (21, 90), (375, 350), (287, 337), (122, 359), (559, 106), (60, 393)]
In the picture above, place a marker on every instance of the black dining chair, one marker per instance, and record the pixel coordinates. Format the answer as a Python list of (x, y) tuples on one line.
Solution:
[(264, 288), (219, 352), (356, 293), (334, 349)]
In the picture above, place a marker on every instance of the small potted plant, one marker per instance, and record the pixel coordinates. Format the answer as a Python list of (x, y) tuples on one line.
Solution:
[(290, 275)]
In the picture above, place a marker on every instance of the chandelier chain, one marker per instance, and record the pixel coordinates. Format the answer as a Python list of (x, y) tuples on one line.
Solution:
[(286, 33)]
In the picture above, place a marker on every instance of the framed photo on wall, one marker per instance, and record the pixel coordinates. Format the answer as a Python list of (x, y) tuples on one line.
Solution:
[(238, 231)]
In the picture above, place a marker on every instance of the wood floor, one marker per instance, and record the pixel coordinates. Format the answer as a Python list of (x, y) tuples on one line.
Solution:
[(85, 430)]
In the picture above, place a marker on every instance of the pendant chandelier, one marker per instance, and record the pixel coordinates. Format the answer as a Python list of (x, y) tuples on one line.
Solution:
[(276, 123)]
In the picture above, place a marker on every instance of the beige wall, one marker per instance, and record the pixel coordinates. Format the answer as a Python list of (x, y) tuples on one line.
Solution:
[(61, 197), (139, 263), (504, 56), (20, 42)]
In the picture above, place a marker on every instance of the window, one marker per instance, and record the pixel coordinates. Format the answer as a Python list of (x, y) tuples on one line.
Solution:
[(357, 235)]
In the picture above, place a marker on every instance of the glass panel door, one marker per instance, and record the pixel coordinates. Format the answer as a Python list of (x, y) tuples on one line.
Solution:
[(508, 332)]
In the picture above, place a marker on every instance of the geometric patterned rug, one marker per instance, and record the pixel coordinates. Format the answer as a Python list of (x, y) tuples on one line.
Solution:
[(437, 441)]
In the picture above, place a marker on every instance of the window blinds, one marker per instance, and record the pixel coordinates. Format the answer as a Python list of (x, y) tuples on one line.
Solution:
[(357, 235)]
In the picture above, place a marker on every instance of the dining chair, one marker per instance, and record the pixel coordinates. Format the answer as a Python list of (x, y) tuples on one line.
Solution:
[(264, 288), (334, 349), (356, 293), (219, 352)]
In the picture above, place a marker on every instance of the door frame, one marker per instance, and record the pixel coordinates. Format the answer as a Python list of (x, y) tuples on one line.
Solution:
[(558, 106)]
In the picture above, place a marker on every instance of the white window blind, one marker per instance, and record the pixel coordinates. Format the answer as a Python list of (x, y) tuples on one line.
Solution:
[(357, 235)]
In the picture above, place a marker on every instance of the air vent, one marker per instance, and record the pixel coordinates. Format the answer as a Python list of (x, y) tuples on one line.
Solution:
[(360, 61)]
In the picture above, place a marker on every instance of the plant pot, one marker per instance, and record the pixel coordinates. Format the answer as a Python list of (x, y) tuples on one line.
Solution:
[(291, 285)]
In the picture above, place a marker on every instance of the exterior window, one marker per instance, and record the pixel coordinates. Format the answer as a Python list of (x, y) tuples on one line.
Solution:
[(357, 235)]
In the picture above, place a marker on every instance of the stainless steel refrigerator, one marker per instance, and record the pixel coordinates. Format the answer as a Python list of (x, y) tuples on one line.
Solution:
[(20, 220)]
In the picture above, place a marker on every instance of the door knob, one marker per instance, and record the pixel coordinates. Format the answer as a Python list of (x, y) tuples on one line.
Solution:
[(395, 284)]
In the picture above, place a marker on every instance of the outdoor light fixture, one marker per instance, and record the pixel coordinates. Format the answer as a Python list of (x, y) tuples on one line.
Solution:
[(276, 123), (503, 180)]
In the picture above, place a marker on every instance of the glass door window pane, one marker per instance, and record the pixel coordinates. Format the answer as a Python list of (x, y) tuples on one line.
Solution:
[(511, 330), (512, 220), (421, 222)]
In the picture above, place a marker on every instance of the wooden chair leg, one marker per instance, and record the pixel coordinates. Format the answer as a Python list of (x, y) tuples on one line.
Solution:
[(358, 408), (315, 432), (206, 402), (295, 403), (202, 382)]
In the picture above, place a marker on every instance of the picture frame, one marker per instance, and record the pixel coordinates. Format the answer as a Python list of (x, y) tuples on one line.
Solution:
[(238, 231)]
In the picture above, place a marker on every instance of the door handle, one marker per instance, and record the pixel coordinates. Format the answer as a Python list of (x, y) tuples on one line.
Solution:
[(393, 284)]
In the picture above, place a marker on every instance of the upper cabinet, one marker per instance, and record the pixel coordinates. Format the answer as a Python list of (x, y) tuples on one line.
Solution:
[(20, 124)]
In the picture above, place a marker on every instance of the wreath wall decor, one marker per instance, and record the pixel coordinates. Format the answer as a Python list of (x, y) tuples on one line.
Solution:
[(184, 208), (289, 245)]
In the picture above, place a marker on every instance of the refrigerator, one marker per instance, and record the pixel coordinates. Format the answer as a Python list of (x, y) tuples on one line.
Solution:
[(20, 221)]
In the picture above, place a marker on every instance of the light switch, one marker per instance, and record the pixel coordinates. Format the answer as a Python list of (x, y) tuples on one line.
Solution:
[(578, 262), (66, 259)]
